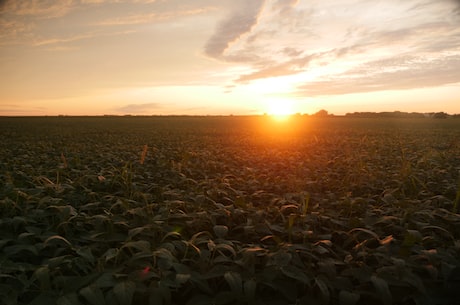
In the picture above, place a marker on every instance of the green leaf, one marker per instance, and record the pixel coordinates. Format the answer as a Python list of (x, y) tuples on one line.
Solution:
[(93, 294), (9, 296), (411, 238), (382, 289), (348, 298), (182, 278), (250, 287), (373, 234), (73, 283), (138, 230), (46, 297), (86, 253), (42, 274), (224, 298), (105, 280), (288, 207), (199, 299), (68, 299), (110, 254), (220, 231), (200, 283), (57, 238), (287, 288), (282, 258), (295, 273), (240, 202), (226, 247), (124, 291), (59, 260), (164, 258), (171, 234), (327, 267), (305, 204), (141, 245), (13, 250), (159, 296), (234, 281), (325, 295)]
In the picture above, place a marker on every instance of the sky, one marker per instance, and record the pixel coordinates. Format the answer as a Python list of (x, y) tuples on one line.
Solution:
[(240, 57)]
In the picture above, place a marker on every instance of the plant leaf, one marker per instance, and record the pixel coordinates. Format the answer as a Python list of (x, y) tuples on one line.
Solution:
[(382, 289), (250, 289), (43, 276), (93, 294), (124, 291), (68, 299), (182, 278), (110, 254), (295, 273), (348, 298), (141, 245), (57, 238), (325, 295), (234, 281), (220, 231)]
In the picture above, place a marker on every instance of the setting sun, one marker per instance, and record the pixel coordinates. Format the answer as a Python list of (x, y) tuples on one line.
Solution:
[(280, 108)]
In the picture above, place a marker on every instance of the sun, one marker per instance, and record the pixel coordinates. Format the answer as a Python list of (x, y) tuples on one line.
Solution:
[(280, 109)]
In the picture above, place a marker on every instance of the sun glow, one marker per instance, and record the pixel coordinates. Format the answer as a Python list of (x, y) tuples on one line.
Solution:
[(280, 109)]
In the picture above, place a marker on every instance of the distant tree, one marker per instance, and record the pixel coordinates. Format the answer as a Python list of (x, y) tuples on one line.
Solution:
[(440, 115), (322, 113)]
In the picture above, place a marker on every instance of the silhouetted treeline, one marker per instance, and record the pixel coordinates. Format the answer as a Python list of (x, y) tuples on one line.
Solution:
[(401, 114)]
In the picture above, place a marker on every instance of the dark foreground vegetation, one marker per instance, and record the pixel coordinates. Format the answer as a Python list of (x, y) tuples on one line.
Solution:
[(229, 210)]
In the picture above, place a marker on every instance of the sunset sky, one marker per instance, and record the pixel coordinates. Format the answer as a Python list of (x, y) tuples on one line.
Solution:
[(142, 57)]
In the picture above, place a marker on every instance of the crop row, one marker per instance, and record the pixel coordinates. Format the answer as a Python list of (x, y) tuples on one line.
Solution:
[(223, 211)]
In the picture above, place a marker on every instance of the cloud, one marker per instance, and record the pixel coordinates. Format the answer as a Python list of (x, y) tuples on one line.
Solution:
[(232, 28), (49, 41), (18, 22), (38, 8), (15, 109), (268, 38), (152, 17), (385, 49), (11, 31), (89, 35), (116, 1), (456, 8), (392, 74), (290, 67), (285, 8), (140, 108), (264, 38)]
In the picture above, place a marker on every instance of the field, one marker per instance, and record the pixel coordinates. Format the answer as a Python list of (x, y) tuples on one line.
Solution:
[(229, 210)]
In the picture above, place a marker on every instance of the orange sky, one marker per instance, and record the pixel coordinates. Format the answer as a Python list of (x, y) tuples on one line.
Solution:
[(93, 57)]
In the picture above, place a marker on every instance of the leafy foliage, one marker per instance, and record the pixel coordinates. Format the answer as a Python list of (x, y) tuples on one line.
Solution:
[(229, 210)]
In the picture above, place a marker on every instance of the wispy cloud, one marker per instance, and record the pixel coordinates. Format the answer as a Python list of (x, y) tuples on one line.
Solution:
[(237, 24), (116, 1), (293, 66), (15, 109), (22, 19), (69, 39), (49, 41), (12, 31), (140, 108), (152, 17), (406, 72), (38, 8)]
